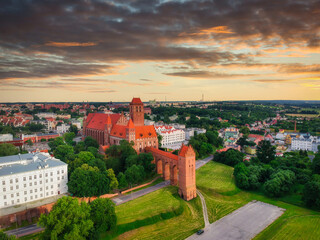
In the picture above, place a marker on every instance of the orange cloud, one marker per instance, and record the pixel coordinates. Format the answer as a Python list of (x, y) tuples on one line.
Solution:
[(218, 29), (70, 44)]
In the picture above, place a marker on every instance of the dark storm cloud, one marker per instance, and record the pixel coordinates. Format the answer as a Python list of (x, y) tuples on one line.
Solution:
[(85, 34)]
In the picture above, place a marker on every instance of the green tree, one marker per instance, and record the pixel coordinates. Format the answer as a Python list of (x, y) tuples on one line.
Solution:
[(265, 152), (90, 142), (68, 137), (134, 174), (245, 131), (112, 178), (74, 129), (103, 215), (56, 142), (159, 139), (4, 236), (64, 153), (281, 182), (29, 142), (67, 220), (311, 194), (122, 180), (7, 149), (316, 164)]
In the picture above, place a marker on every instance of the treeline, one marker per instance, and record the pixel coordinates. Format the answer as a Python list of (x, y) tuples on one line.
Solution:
[(203, 143), (292, 175)]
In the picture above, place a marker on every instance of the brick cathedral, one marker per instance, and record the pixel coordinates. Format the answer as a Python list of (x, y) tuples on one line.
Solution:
[(110, 129)]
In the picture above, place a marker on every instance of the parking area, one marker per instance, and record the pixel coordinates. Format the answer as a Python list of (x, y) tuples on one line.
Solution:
[(243, 224)]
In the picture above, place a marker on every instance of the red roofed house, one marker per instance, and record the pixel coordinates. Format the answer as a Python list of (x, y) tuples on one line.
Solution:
[(110, 129)]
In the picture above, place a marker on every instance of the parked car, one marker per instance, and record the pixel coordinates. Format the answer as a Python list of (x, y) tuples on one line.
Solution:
[(199, 232)]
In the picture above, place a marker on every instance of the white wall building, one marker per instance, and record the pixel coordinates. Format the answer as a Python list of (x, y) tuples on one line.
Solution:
[(6, 137), (29, 177), (77, 123), (46, 115), (309, 143), (170, 135), (63, 128)]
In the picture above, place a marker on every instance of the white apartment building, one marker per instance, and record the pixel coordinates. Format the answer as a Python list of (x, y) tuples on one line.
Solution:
[(309, 143), (6, 137), (46, 115), (30, 177), (170, 135), (63, 128)]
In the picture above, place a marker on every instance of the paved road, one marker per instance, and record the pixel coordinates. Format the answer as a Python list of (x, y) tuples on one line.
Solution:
[(134, 195), (243, 224), (117, 201), (204, 209), (23, 231)]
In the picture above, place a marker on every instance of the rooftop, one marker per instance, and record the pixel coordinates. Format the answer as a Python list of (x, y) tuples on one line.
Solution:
[(28, 162)]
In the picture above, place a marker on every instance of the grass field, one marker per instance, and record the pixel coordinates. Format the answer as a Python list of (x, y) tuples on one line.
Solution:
[(302, 115), (222, 197), (158, 215)]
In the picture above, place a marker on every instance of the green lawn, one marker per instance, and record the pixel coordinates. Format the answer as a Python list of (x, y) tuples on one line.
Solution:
[(158, 215), (222, 197)]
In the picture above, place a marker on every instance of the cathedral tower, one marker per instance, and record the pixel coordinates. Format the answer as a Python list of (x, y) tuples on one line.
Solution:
[(137, 112)]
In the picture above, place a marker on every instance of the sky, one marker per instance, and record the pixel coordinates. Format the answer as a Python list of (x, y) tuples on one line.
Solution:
[(82, 50)]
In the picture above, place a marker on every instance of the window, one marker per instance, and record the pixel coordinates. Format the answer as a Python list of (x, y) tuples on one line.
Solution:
[(46, 180), (46, 187), (51, 192), (46, 174), (47, 193), (40, 189), (12, 195), (17, 194), (31, 197), (24, 185), (51, 174), (58, 172), (41, 195), (17, 187), (17, 180), (59, 185), (12, 201), (36, 190), (30, 178), (30, 184), (31, 191), (62, 171), (35, 177), (40, 182), (4, 197), (24, 179), (25, 192), (3, 182), (58, 178), (11, 181), (40, 176), (5, 203), (62, 177), (51, 186), (11, 188), (36, 196), (35, 183), (18, 200), (25, 199), (51, 179)]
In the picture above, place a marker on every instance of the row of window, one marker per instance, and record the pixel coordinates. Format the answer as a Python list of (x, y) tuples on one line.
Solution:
[(35, 183), (26, 198), (30, 177)]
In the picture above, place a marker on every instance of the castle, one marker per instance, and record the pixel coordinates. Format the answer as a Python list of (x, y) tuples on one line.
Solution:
[(110, 129)]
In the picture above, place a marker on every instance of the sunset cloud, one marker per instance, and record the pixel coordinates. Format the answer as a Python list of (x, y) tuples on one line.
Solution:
[(70, 44)]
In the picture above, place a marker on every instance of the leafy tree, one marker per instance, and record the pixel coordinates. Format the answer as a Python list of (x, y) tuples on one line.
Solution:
[(281, 182), (88, 181), (67, 220), (29, 142), (145, 160), (74, 129), (4, 236), (103, 215), (122, 180), (265, 151), (230, 157), (134, 174), (90, 142), (159, 139), (80, 146), (311, 194), (245, 131), (7, 149), (64, 153), (68, 137), (316, 164), (56, 142), (112, 178)]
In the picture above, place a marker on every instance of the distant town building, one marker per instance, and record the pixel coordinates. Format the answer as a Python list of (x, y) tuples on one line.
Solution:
[(304, 142), (6, 137), (63, 128), (29, 177), (189, 132), (38, 137)]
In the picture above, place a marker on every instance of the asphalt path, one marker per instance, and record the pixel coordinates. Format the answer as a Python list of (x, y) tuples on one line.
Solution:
[(242, 224), (204, 209), (23, 231), (118, 200)]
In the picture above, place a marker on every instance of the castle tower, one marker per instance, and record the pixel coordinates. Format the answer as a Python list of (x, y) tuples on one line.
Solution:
[(187, 173), (107, 128), (130, 132), (137, 112)]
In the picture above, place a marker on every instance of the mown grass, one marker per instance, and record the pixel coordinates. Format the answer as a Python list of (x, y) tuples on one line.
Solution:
[(160, 211), (214, 180)]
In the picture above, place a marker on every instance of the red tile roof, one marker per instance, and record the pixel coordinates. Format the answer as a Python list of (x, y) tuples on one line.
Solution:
[(130, 124), (136, 101), (145, 132), (98, 120), (162, 153), (118, 131), (184, 149)]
